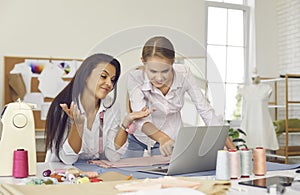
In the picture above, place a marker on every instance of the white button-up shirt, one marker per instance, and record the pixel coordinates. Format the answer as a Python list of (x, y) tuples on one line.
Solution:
[(90, 139), (167, 116)]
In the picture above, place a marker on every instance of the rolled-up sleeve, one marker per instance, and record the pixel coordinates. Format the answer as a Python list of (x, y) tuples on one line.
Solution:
[(67, 154), (202, 105)]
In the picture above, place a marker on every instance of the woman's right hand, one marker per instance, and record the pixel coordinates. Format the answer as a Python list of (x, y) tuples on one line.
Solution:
[(166, 147), (74, 114)]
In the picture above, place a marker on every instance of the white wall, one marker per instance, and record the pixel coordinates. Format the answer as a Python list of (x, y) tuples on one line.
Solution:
[(289, 50), (71, 28), (266, 38)]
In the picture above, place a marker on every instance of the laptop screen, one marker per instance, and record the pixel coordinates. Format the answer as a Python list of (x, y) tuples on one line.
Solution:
[(195, 150)]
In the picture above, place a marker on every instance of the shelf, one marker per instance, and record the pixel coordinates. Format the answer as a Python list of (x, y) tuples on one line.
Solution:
[(292, 76), (294, 129), (39, 135), (292, 151), (282, 156), (283, 106), (291, 133), (276, 106), (272, 80), (285, 151)]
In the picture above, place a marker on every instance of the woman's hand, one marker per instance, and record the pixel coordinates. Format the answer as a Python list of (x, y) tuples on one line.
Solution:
[(74, 114), (129, 118), (166, 148)]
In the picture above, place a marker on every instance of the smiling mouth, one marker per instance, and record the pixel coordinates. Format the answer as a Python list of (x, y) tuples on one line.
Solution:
[(159, 83), (105, 89)]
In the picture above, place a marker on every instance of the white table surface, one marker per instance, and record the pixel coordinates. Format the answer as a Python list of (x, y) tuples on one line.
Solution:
[(234, 190)]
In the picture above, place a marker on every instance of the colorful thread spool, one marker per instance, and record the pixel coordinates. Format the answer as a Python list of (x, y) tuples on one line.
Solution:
[(48, 182), (93, 180), (59, 178), (54, 180), (83, 180), (70, 177), (222, 169), (246, 162), (259, 161), (234, 163), (20, 163), (47, 173)]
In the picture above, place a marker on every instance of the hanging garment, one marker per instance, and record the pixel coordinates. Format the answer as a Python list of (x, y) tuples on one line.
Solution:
[(256, 118)]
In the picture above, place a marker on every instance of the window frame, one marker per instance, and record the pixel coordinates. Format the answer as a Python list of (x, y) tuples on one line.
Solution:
[(246, 27)]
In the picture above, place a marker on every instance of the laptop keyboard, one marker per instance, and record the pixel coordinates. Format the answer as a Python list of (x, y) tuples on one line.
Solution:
[(161, 170)]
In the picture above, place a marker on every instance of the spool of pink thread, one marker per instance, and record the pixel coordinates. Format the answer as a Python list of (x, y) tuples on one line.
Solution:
[(234, 163), (20, 163), (259, 161)]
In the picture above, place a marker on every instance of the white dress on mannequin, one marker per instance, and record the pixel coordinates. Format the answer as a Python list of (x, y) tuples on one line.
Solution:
[(256, 119)]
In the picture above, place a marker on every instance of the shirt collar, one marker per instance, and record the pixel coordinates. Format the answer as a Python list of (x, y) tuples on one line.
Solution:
[(102, 108)]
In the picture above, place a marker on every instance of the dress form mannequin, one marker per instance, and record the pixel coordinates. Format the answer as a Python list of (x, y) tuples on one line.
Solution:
[(256, 118)]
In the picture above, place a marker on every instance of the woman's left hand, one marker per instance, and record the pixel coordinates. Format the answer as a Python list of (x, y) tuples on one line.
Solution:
[(140, 114), (136, 115)]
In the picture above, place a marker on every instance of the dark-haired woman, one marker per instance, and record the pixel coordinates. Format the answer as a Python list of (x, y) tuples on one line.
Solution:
[(83, 122)]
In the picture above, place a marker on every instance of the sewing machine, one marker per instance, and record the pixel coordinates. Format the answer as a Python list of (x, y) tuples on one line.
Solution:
[(17, 131)]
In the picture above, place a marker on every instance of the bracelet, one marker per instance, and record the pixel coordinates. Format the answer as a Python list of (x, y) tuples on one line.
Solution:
[(123, 127), (130, 129)]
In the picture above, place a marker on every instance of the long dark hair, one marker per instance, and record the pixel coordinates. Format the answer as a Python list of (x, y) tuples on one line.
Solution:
[(56, 121)]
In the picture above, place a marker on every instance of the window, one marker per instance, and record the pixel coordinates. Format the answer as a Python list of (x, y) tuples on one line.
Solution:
[(227, 48)]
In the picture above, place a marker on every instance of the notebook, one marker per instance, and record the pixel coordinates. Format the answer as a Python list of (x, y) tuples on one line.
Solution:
[(195, 150)]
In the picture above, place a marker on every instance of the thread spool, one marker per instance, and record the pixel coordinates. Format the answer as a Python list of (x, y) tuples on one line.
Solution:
[(82, 180), (48, 182), (222, 169), (20, 163), (259, 161), (234, 164), (70, 177), (246, 163), (47, 173), (94, 180), (59, 178)]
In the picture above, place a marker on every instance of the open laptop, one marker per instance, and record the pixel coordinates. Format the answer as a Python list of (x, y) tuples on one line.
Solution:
[(195, 150)]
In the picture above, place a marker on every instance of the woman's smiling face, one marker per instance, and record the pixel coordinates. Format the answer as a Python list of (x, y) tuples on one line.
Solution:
[(159, 71), (101, 80)]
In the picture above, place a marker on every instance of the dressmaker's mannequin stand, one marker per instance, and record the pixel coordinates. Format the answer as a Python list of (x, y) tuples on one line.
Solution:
[(256, 118)]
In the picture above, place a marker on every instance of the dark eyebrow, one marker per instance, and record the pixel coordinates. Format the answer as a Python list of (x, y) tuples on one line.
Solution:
[(108, 73)]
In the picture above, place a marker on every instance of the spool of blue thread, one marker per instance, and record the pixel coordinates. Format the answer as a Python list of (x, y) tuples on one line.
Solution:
[(20, 163)]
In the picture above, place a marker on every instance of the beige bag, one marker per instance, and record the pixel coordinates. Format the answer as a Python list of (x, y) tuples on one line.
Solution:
[(17, 87)]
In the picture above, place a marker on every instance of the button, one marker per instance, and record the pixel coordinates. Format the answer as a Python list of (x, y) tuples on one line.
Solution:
[(20, 120)]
